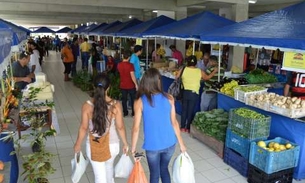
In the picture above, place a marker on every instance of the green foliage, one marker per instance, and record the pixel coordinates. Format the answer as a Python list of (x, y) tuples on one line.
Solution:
[(213, 123), (114, 90), (258, 76), (83, 79)]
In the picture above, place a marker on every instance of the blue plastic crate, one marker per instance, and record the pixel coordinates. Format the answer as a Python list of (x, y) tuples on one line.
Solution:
[(271, 162), (240, 144), (236, 161)]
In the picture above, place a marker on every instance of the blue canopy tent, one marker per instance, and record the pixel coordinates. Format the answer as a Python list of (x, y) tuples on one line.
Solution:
[(101, 29), (63, 30), (97, 28), (6, 39), (138, 30), (283, 29), (191, 27), (115, 29), (87, 29), (76, 30), (28, 32), (43, 30)]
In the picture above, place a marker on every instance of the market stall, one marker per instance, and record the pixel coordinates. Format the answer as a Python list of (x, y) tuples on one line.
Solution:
[(281, 126)]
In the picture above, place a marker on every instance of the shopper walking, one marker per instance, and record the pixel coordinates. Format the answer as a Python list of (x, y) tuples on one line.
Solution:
[(101, 118), (128, 82), (34, 64), (161, 128), (75, 51), (85, 48), (57, 43), (191, 78), (136, 61), (67, 56)]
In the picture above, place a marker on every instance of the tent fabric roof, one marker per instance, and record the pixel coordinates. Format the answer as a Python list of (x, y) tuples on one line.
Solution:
[(87, 29), (17, 35), (138, 30), (100, 30), (64, 30), (76, 30), (125, 25), (190, 27), (25, 29), (283, 29), (97, 28), (43, 30), (6, 36)]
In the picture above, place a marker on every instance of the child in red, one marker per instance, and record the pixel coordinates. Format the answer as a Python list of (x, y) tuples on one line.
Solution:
[(128, 82)]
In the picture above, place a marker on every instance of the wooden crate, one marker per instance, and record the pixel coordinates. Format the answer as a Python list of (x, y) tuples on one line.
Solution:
[(211, 142)]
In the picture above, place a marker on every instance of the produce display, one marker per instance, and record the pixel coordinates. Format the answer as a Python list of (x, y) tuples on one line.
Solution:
[(259, 76), (237, 81), (241, 93), (250, 88), (228, 88), (275, 146), (212, 123)]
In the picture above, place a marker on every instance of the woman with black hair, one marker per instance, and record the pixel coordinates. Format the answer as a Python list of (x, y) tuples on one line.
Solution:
[(161, 128), (102, 118), (191, 78)]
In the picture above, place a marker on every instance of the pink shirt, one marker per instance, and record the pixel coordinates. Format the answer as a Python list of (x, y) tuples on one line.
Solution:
[(177, 55)]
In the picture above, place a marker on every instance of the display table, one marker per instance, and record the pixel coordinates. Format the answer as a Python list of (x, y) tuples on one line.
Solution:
[(281, 126)]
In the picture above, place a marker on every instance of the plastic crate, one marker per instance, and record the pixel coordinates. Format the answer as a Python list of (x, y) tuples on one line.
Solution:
[(271, 162), (236, 161), (258, 104), (243, 96), (255, 175), (239, 144), (291, 113), (249, 128)]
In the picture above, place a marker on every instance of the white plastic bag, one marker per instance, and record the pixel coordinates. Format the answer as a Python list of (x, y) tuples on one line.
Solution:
[(183, 169), (79, 165), (90, 69), (124, 167)]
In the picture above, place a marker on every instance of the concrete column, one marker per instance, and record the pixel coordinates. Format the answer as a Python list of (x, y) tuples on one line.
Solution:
[(239, 13)]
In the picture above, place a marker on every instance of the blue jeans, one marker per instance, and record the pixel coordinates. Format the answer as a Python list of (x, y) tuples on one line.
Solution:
[(158, 164), (208, 101), (85, 58), (189, 101), (132, 94)]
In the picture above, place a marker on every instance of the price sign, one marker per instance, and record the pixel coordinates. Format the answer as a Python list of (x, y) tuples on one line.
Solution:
[(294, 62)]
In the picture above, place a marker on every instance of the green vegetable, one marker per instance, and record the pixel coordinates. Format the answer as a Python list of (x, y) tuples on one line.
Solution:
[(247, 113), (250, 88), (260, 76), (213, 123)]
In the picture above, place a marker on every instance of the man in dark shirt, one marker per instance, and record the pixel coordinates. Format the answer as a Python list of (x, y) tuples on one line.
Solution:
[(21, 72), (75, 51), (296, 85)]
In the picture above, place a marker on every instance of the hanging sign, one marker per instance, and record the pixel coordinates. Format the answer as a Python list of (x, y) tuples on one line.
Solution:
[(294, 62), (139, 41)]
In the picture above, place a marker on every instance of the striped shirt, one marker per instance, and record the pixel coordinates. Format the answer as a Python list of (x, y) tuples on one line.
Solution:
[(208, 71)]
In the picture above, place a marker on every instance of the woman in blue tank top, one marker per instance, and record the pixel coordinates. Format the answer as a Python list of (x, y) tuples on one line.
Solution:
[(161, 128)]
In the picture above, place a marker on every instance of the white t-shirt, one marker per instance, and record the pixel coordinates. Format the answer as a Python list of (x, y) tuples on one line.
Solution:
[(34, 60)]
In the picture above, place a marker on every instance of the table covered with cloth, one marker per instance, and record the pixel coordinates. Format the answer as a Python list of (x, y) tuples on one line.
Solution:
[(281, 126)]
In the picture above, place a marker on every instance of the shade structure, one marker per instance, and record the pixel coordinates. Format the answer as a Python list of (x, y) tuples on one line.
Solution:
[(191, 27), (28, 32), (18, 34), (43, 30), (76, 30), (100, 30), (100, 27), (140, 29), (86, 30), (116, 29), (283, 29), (6, 36), (64, 30)]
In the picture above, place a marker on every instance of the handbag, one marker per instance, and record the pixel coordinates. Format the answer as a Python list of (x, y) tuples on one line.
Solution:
[(79, 165), (137, 174), (183, 169), (124, 167), (176, 88), (100, 147)]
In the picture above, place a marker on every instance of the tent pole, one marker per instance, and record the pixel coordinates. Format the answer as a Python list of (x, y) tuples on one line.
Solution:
[(146, 65), (219, 60), (155, 43), (194, 47), (257, 54)]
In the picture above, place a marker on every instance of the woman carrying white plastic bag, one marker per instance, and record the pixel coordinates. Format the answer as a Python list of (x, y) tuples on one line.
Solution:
[(183, 169), (124, 167), (79, 165)]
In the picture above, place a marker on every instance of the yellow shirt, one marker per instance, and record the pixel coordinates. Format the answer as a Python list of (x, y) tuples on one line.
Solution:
[(191, 78), (198, 55), (85, 47), (189, 51)]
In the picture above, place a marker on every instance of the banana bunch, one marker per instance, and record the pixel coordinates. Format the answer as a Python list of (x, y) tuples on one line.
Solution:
[(161, 51)]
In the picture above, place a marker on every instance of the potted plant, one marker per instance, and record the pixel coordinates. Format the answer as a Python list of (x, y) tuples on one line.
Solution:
[(114, 90)]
